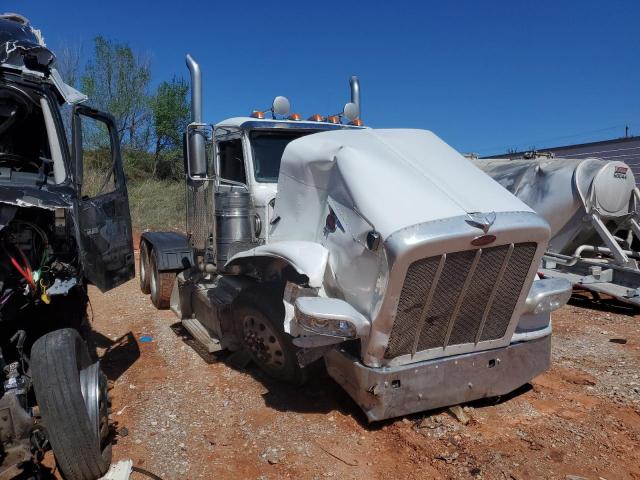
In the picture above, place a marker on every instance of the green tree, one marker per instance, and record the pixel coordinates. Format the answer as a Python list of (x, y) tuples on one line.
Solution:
[(117, 80), (170, 112)]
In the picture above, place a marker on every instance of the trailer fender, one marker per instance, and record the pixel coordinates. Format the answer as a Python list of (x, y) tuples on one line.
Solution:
[(172, 250), (307, 258)]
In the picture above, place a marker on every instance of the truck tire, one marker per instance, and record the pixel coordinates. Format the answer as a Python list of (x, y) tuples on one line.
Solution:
[(143, 269), (260, 322), (161, 284), (72, 395)]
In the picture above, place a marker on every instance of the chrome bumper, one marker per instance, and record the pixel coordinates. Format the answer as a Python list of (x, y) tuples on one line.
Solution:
[(388, 392)]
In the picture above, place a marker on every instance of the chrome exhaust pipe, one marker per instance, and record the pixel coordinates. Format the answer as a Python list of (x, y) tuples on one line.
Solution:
[(196, 89), (355, 92)]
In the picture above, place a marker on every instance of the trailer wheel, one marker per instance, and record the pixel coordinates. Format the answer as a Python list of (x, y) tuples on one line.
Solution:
[(259, 320), (161, 284), (72, 396), (143, 270)]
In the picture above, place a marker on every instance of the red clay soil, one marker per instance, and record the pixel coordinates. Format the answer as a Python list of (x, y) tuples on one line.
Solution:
[(185, 414)]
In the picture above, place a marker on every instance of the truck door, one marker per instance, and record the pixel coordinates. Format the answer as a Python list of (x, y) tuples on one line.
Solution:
[(102, 215)]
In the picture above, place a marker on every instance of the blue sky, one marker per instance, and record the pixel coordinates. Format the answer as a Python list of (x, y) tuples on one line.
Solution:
[(485, 76)]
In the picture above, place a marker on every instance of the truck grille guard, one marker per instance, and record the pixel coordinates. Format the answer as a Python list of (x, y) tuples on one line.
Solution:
[(452, 299), (446, 297)]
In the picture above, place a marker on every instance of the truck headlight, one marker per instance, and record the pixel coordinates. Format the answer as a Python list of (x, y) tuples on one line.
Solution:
[(330, 316), (547, 295)]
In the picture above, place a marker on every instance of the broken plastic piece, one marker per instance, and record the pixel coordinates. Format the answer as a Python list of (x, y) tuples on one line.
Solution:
[(61, 287)]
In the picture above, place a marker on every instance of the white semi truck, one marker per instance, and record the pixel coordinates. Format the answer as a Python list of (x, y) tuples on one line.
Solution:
[(383, 253)]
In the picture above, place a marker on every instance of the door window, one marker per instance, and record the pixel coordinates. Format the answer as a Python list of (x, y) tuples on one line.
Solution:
[(232, 160), (98, 166)]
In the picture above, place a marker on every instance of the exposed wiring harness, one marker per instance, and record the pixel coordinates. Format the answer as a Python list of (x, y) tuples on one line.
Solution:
[(25, 270)]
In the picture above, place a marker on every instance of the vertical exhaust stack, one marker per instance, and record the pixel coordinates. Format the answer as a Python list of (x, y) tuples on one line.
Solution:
[(199, 219), (355, 93), (197, 152)]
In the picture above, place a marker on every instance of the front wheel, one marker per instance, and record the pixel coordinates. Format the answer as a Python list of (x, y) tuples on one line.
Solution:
[(259, 320), (72, 395)]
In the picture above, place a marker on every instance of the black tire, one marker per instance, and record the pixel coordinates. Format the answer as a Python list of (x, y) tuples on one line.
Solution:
[(81, 446), (259, 318), (143, 268), (161, 284)]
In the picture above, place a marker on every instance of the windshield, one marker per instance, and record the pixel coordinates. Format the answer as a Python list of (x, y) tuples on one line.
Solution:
[(267, 148), (25, 153)]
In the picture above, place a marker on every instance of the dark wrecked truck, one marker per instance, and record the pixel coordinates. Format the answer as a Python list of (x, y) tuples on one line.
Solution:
[(57, 233)]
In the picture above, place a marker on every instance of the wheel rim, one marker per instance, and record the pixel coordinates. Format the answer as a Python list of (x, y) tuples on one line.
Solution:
[(262, 342), (94, 393), (153, 285), (143, 270)]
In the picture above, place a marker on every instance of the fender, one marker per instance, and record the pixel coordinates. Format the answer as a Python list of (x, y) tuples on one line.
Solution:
[(307, 258), (173, 250)]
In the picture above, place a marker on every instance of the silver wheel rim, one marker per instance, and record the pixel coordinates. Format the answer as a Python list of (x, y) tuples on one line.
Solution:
[(143, 270), (153, 285), (94, 393), (262, 342)]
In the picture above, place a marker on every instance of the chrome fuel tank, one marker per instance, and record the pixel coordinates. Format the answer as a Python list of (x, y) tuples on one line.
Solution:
[(235, 225)]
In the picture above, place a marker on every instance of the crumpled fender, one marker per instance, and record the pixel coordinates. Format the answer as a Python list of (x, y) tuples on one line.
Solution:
[(307, 258)]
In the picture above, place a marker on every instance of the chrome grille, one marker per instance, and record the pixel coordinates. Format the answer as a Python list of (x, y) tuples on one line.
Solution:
[(459, 298)]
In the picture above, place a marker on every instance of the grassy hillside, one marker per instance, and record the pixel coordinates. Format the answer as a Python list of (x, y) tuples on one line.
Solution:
[(156, 204)]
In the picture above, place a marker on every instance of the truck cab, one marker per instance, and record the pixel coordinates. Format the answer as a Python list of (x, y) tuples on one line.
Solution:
[(381, 253), (249, 151)]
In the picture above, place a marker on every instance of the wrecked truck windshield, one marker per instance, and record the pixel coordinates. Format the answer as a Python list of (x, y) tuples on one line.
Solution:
[(25, 152), (267, 148)]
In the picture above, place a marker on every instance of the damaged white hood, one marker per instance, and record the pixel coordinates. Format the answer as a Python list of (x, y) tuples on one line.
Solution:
[(394, 179)]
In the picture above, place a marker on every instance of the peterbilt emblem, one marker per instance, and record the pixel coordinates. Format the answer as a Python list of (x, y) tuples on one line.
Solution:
[(483, 240), (480, 220)]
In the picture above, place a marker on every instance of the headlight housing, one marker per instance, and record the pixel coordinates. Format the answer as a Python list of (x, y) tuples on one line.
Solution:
[(547, 295), (330, 316)]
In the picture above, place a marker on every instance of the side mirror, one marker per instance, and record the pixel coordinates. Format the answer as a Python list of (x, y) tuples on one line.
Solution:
[(351, 111), (281, 105), (198, 138)]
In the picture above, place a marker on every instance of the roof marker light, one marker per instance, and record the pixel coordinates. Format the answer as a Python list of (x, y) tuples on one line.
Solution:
[(257, 114), (316, 118), (333, 119), (356, 123), (295, 116)]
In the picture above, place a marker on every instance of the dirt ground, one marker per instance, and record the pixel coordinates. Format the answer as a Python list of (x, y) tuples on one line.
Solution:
[(184, 414)]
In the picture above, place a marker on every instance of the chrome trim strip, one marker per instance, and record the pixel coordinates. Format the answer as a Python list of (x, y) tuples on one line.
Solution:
[(463, 293), (427, 304), (492, 297), (532, 335)]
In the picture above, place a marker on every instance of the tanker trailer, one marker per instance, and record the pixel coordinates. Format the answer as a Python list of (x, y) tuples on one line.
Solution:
[(592, 206)]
